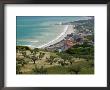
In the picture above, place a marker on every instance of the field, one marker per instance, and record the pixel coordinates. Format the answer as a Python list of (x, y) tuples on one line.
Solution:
[(39, 61)]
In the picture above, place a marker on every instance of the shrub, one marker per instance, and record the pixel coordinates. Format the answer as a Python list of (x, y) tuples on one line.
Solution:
[(22, 48), (21, 61), (40, 70), (74, 69), (18, 69)]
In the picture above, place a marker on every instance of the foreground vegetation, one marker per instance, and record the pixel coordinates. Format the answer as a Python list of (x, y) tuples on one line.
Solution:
[(79, 59)]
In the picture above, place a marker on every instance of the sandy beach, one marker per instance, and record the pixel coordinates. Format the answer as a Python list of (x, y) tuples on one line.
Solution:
[(67, 30)]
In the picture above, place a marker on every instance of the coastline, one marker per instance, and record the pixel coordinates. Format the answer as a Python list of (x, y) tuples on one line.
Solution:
[(67, 30)]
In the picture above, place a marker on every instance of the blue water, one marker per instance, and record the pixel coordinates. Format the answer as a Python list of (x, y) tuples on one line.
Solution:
[(34, 31)]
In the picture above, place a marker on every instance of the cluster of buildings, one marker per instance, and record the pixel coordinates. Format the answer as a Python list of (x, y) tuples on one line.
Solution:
[(82, 28), (67, 42)]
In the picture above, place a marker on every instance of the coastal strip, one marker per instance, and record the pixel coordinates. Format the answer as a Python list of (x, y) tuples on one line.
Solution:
[(67, 30)]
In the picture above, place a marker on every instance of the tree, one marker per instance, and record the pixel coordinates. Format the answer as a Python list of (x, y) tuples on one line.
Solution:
[(35, 50), (41, 55), (51, 59), (34, 59), (62, 63), (21, 61), (66, 57), (71, 60), (24, 53), (32, 52)]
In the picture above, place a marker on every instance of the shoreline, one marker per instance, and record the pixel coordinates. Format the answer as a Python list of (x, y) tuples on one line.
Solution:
[(67, 30)]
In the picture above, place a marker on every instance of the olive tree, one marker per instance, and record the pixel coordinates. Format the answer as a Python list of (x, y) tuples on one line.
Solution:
[(34, 59)]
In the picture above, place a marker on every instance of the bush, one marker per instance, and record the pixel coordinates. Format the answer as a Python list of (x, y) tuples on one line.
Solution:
[(36, 49), (81, 51), (41, 55), (22, 62), (40, 70), (18, 69), (57, 70), (22, 48), (74, 69)]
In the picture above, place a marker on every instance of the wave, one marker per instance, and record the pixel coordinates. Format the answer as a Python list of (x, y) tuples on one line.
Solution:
[(55, 40), (27, 40)]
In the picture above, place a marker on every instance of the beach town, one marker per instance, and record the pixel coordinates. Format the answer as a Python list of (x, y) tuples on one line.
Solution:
[(69, 38), (72, 52)]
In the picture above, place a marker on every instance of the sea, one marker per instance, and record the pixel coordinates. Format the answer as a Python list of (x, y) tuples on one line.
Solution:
[(34, 31)]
